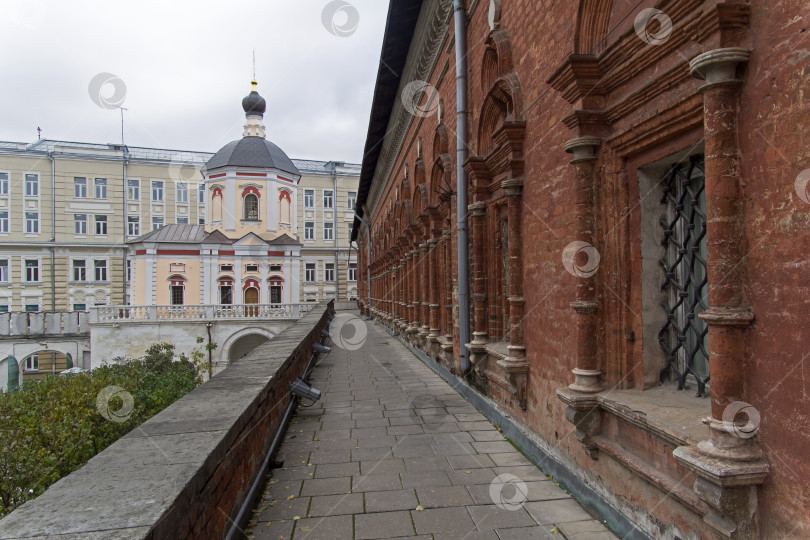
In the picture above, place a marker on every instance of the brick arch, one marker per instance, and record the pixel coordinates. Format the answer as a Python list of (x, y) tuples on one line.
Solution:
[(593, 23), (497, 60), (441, 181), (441, 140), (503, 103)]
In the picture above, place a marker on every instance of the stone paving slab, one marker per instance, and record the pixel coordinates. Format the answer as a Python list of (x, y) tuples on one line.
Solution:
[(391, 451)]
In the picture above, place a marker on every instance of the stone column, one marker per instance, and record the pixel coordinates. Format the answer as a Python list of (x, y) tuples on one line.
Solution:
[(424, 293), (728, 314), (515, 364), (728, 465), (433, 265), (587, 374), (414, 304), (477, 348)]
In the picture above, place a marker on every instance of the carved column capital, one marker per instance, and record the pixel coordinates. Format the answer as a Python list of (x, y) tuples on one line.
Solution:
[(583, 148), (719, 66)]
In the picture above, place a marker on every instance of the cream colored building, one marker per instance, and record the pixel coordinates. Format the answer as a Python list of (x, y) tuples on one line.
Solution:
[(106, 195)]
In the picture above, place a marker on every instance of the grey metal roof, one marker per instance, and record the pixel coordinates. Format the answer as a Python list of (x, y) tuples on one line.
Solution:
[(216, 237), (284, 240), (174, 233), (252, 152), (163, 155)]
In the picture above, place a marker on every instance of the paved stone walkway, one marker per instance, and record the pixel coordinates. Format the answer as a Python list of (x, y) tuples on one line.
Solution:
[(392, 451)]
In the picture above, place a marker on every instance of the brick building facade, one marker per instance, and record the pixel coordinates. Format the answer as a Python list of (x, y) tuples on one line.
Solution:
[(632, 179)]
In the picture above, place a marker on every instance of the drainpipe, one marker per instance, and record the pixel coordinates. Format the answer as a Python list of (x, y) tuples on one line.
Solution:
[(53, 231), (460, 16), (335, 227), (126, 217)]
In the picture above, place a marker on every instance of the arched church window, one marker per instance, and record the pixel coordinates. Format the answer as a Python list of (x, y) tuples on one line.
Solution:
[(251, 207)]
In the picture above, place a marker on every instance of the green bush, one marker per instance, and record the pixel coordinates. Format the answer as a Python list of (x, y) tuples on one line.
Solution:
[(51, 427)]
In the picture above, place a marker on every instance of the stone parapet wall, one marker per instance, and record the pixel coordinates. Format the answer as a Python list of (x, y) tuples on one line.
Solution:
[(185, 472)]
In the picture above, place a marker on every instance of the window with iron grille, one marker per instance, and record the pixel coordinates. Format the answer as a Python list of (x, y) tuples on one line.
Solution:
[(177, 295), (683, 276), (251, 207)]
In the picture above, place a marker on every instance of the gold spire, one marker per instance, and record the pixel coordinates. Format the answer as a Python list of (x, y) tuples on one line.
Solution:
[(253, 82)]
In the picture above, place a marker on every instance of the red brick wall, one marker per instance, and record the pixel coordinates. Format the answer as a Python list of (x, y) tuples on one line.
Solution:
[(773, 135)]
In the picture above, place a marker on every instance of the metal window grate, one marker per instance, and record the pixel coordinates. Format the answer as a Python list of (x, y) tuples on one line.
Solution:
[(684, 336)]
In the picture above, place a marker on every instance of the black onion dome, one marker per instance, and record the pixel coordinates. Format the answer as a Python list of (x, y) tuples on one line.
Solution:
[(253, 103)]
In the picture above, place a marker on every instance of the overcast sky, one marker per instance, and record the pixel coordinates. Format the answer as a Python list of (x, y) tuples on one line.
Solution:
[(186, 66)]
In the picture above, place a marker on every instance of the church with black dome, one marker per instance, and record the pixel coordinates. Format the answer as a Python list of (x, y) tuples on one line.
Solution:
[(249, 251)]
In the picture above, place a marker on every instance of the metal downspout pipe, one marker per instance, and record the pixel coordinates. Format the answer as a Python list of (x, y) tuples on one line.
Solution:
[(53, 232), (460, 17), (126, 220), (335, 230)]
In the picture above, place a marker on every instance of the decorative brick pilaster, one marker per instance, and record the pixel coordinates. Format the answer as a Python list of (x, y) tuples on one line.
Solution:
[(477, 348), (433, 264), (587, 374), (729, 465), (515, 365)]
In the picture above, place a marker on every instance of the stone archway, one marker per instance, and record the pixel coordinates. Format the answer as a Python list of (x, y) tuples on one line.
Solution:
[(242, 342)]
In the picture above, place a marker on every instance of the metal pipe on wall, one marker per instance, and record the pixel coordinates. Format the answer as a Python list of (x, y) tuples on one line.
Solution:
[(53, 231), (335, 228), (460, 17)]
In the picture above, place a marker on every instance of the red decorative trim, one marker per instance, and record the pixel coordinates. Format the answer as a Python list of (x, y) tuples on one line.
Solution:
[(178, 252), (140, 252), (250, 174), (217, 175), (251, 283), (285, 195), (275, 253), (227, 253), (286, 179), (217, 193), (225, 280), (251, 190), (177, 278)]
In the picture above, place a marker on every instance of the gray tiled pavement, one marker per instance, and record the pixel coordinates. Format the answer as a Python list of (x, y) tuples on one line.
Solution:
[(392, 451)]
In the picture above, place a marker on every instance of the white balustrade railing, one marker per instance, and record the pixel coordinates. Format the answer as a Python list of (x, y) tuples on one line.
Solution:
[(100, 314)]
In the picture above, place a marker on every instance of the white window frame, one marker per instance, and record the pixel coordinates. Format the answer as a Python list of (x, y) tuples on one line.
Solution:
[(79, 188), (32, 363), (182, 220), (96, 224), (133, 188), (36, 269), (201, 193), (4, 183), (74, 268), (136, 221), (309, 230), (79, 224), (329, 273), (32, 223), (352, 199), (4, 221), (162, 222), (100, 183), (328, 231), (309, 197), (28, 185), (5, 271), (328, 196), (181, 192), (352, 274), (157, 188), (314, 271), (105, 271)]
